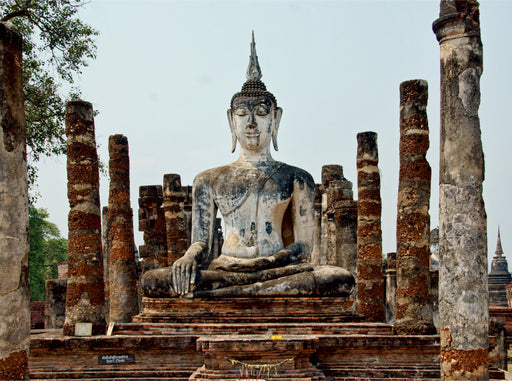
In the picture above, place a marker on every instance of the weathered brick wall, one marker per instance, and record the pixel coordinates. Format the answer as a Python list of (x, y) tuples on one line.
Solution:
[(175, 218), (335, 236), (55, 303), (37, 315), (153, 253)]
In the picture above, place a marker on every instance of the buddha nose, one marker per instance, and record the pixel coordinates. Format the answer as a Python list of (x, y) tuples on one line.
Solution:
[(251, 123)]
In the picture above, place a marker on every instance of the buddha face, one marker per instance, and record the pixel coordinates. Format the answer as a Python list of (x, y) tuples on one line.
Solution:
[(254, 122)]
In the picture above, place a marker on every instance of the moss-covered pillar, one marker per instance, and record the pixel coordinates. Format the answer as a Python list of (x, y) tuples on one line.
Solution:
[(85, 295), (463, 292), (14, 244), (413, 294), (122, 273), (370, 278)]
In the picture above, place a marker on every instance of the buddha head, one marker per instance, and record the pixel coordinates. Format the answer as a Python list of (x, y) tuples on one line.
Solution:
[(254, 116)]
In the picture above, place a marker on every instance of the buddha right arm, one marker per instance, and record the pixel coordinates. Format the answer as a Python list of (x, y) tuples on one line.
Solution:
[(184, 270), (204, 211)]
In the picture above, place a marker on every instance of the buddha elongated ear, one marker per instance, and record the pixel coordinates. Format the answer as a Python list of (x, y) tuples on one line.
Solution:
[(232, 128), (277, 120)]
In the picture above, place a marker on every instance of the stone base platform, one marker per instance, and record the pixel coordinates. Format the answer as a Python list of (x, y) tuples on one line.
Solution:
[(247, 310), (182, 357), (136, 358)]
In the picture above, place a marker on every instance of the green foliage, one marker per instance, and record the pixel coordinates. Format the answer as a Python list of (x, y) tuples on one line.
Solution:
[(56, 47), (46, 249)]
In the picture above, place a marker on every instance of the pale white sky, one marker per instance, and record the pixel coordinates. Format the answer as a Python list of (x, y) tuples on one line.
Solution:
[(166, 71)]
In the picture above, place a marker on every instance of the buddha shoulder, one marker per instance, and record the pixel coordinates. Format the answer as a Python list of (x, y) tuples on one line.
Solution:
[(216, 175), (295, 175)]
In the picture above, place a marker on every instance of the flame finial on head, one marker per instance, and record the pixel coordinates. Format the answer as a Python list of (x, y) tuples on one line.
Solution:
[(254, 87), (253, 70)]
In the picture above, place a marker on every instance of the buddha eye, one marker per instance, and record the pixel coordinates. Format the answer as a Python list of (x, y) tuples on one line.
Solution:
[(241, 111), (262, 110)]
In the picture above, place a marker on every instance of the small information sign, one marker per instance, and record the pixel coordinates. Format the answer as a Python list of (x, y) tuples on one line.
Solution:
[(115, 359)]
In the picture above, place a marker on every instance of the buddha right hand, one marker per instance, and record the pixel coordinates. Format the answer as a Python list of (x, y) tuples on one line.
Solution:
[(184, 270)]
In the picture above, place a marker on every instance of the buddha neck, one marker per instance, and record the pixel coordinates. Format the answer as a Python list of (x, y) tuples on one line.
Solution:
[(256, 157)]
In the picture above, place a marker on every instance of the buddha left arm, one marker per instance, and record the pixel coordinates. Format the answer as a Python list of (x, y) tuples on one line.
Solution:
[(303, 219), (303, 211)]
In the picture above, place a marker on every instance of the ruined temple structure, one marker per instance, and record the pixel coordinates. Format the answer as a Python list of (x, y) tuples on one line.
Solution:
[(499, 278), (165, 218), (291, 283)]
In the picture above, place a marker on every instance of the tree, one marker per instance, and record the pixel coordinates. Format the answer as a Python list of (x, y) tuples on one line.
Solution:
[(56, 47), (47, 248)]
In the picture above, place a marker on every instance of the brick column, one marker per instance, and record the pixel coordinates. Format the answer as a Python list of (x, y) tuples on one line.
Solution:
[(85, 297), (314, 258), (413, 294), (331, 194), (175, 220), (390, 278), (463, 292), (370, 279), (152, 222), (340, 215), (122, 275), (105, 232), (14, 243), (55, 303)]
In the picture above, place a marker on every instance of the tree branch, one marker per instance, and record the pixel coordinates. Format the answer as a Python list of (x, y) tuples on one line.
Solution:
[(20, 13)]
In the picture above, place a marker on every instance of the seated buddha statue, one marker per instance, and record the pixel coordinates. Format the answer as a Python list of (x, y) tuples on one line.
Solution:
[(268, 211)]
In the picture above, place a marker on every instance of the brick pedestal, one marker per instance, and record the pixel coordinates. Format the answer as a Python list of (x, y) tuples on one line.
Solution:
[(282, 357)]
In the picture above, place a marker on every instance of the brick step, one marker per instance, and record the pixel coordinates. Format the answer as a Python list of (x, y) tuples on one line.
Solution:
[(390, 371), (113, 379), (385, 373), (78, 374), (260, 310), (172, 318), (387, 379), (296, 328), (381, 365), (380, 379)]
